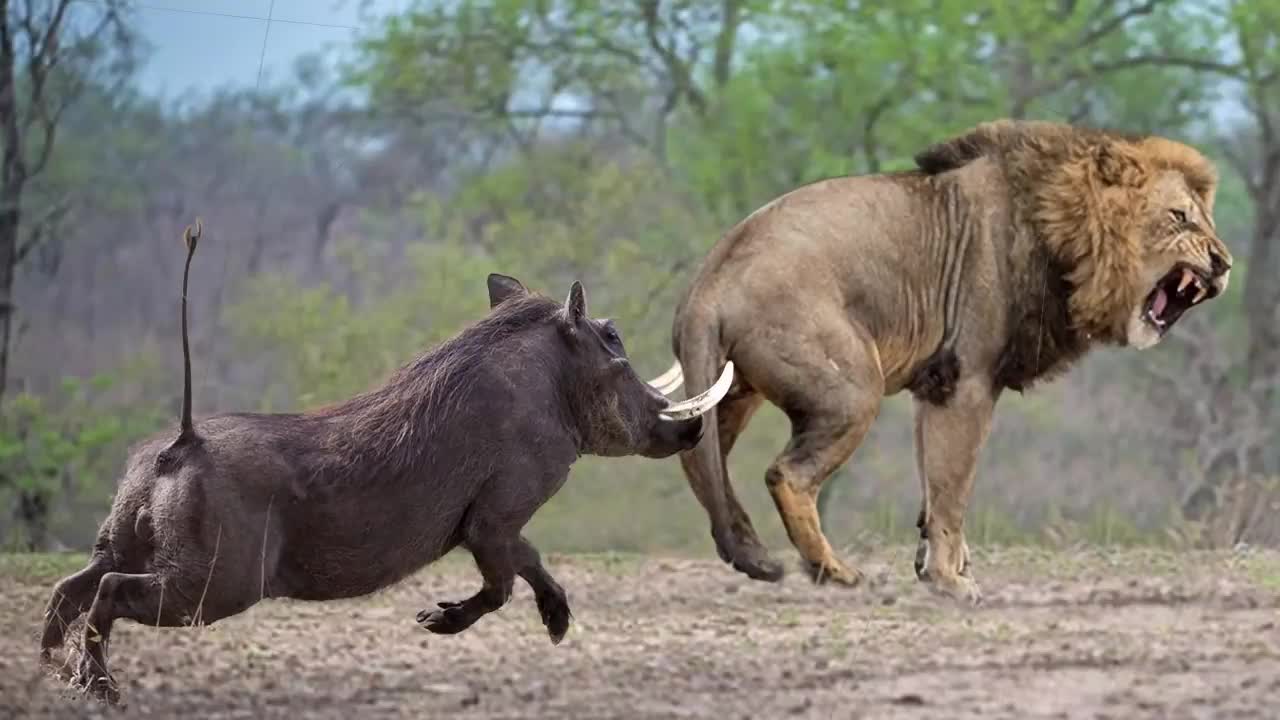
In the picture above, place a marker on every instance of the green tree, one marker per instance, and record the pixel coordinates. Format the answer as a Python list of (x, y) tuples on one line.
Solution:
[(49, 53), (54, 449)]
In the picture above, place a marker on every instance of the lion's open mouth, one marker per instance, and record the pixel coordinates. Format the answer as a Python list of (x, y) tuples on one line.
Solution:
[(1178, 291)]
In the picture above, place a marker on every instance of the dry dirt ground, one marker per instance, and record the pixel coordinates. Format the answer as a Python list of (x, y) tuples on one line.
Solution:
[(1070, 634)]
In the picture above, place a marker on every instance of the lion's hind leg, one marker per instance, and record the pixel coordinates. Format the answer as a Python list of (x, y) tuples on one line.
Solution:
[(826, 377)]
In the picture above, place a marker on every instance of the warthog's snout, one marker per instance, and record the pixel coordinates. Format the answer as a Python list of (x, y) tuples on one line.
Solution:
[(673, 436), (680, 425), (690, 433)]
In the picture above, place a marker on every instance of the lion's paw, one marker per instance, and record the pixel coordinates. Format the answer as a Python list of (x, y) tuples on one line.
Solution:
[(834, 571), (960, 588)]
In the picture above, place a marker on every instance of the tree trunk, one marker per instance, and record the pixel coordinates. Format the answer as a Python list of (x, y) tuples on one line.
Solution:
[(12, 178), (33, 514), (9, 219), (324, 229)]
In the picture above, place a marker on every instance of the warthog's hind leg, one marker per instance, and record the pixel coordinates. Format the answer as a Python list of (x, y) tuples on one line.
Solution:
[(136, 597), (71, 597)]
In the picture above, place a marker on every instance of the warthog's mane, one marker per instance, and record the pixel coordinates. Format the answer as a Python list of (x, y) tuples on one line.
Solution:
[(389, 429)]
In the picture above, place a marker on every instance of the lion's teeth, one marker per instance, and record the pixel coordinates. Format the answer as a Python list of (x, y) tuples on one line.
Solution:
[(1187, 278), (1199, 295)]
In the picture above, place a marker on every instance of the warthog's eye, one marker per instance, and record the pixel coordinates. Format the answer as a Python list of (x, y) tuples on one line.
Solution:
[(610, 333), (1178, 216)]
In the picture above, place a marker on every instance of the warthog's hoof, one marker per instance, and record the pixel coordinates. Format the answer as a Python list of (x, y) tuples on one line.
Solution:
[(756, 563), (832, 570), (60, 669), (95, 682), (763, 568), (556, 616), (450, 619)]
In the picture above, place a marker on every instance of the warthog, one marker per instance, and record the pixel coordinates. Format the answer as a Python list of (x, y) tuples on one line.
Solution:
[(458, 448)]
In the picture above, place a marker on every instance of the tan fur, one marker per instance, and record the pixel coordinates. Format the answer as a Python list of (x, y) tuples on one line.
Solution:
[(1010, 251), (1080, 189)]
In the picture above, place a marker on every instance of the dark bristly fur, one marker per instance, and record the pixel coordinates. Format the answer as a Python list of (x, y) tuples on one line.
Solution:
[(458, 448)]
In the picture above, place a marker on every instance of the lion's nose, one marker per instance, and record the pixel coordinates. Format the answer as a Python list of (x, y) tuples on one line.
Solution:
[(1218, 265)]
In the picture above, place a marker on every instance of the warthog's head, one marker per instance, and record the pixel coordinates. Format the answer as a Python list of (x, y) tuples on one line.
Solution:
[(615, 412)]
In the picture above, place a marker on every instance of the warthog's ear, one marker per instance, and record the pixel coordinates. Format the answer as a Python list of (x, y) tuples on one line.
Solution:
[(502, 287), (575, 307)]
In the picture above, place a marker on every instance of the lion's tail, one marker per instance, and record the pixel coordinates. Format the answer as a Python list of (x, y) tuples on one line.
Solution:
[(698, 364)]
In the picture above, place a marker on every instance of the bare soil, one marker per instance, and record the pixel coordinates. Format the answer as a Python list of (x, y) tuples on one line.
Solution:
[(1067, 634)]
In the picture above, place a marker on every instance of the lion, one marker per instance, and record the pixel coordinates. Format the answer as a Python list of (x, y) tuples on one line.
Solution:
[(998, 261)]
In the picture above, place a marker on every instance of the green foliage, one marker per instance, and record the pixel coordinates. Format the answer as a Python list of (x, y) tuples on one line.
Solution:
[(623, 152), (40, 568), (613, 143), (39, 446), (614, 225), (327, 349), (62, 447)]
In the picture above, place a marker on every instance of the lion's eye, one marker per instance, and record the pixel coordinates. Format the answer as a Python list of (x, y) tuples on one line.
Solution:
[(1178, 215)]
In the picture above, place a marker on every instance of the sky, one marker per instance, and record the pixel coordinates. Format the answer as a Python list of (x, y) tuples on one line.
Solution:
[(196, 46)]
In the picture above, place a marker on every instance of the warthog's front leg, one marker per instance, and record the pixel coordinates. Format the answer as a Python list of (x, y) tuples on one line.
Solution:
[(494, 559), (553, 605), (949, 439)]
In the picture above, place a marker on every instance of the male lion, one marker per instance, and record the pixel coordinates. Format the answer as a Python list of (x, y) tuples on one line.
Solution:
[(1005, 255)]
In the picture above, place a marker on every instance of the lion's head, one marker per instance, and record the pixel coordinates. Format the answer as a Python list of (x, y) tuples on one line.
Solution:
[(1130, 217), (1184, 262)]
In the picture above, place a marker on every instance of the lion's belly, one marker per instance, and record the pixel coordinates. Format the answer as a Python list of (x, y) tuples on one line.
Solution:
[(905, 329)]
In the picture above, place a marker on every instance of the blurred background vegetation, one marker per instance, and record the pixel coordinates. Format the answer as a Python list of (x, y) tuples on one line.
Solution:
[(353, 206)]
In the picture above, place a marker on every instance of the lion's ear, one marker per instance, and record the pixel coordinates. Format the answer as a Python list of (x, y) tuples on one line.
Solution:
[(1200, 174), (1118, 167)]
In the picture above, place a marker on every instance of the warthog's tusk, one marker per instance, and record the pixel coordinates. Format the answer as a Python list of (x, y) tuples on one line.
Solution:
[(667, 382), (699, 404)]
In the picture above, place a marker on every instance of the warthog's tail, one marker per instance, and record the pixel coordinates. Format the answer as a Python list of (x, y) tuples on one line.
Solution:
[(700, 363), (187, 431)]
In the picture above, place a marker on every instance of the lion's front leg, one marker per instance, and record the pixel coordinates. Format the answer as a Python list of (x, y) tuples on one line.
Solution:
[(949, 438)]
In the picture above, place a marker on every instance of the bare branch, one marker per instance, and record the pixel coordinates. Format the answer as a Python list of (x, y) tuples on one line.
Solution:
[(14, 171), (732, 16), (1110, 26), (873, 116), (676, 68), (1242, 167), (40, 228), (1135, 61)]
